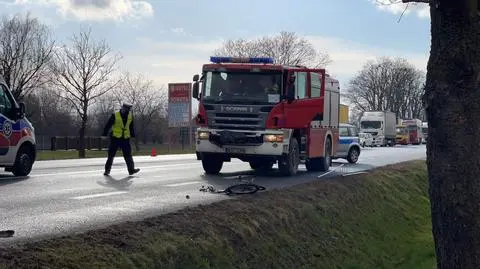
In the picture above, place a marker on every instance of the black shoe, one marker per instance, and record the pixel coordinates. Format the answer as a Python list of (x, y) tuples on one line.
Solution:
[(106, 173), (136, 170)]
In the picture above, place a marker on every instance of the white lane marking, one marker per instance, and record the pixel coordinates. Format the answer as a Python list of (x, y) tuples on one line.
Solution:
[(99, 195), (182, 184), (169, 176), (331, 171), (354, 173)]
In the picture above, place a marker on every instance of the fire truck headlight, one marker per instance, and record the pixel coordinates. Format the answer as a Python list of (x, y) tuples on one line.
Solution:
[(273, 138), (202, 135)]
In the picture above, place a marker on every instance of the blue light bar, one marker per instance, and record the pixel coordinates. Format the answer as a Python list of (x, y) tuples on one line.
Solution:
[(265, 60)]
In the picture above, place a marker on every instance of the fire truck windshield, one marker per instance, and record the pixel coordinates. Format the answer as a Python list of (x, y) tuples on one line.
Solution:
[(242, 87)]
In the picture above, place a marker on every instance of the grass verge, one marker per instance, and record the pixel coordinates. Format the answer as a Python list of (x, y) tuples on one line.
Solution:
[(145, 151), (375, 220)]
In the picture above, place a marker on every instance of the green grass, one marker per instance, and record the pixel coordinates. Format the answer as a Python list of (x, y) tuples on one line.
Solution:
[(143, 151), (376, 220)]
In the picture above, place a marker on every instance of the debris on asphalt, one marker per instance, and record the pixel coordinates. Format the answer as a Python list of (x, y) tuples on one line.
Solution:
[(242, 188), (7, 233)]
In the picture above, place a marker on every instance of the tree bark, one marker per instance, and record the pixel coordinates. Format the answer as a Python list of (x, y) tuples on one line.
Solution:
[(81, 139), (83, 130), (452, 100)]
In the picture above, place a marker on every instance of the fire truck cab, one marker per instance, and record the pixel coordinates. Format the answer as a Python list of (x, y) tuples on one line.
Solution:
[(265, 113), (414, 128)]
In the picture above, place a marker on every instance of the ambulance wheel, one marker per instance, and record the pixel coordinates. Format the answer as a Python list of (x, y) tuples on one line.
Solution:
[(211, 164), (289, 165), (23, 162)]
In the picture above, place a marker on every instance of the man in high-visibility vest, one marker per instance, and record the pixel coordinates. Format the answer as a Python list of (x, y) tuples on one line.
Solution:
[(121, 124)]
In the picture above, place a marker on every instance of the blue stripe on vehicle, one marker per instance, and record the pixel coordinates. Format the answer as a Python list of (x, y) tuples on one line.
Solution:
[(348, 140)]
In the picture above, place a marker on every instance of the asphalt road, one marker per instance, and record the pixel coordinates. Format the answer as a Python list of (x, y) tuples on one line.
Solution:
[(73, 195)]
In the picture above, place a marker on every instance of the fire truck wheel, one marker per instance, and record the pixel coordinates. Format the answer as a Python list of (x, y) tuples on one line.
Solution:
[(326, 162), (211, 165), (289, 165)]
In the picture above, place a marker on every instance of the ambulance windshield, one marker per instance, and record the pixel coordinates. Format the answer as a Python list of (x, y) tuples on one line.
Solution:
[(242, 87)]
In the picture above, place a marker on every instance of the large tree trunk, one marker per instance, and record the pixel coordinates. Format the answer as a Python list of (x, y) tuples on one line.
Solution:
[(81, 139), (452, 100)]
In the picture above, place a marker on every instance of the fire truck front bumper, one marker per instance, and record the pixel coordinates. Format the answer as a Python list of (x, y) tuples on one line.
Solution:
[(241, 144)]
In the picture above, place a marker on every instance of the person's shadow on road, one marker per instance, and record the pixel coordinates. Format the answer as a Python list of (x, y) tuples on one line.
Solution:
[(120, 184)]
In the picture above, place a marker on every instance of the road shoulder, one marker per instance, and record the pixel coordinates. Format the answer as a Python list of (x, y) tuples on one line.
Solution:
[(344, 222)]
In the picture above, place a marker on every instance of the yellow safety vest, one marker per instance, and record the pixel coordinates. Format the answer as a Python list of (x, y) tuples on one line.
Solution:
[(118, 129)]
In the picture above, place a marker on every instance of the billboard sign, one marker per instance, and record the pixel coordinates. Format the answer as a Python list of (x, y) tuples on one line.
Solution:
[(179, 104)]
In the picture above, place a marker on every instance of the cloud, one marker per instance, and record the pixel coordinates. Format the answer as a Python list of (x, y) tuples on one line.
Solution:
[(96, 10), (396, 7), (349, 57)]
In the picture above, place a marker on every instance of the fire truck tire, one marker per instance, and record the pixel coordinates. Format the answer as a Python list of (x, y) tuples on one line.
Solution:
[(326, 162), (211, 165), (289, 166)]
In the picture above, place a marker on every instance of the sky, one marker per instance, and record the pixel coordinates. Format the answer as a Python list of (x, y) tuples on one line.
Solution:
[(169, 40)]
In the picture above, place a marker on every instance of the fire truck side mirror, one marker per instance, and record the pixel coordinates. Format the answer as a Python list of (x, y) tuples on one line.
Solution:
[(195, 90), (290, 96)]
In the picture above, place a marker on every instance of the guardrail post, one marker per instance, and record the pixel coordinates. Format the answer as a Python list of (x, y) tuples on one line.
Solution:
[(53, 143)]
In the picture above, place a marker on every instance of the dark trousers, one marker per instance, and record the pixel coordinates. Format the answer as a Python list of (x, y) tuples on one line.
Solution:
[(124, 144)]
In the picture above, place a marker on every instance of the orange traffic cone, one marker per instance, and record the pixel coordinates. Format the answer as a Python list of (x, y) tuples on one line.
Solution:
[(154, 152)]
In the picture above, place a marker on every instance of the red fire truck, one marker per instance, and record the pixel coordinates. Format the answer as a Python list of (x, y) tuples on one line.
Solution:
[(414, 128), (264, 113)]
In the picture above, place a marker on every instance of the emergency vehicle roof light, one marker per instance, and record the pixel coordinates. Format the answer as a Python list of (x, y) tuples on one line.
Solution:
[(265, 60)]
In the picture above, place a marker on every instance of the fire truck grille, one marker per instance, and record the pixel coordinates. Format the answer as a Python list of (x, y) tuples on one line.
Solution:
[(237, 121), (254, 119)]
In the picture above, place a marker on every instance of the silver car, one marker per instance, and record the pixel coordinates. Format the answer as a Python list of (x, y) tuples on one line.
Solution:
[(366, 139), (349, 144)]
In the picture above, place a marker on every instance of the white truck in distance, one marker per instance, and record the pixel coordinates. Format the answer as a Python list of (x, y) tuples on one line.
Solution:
[(382, 126)]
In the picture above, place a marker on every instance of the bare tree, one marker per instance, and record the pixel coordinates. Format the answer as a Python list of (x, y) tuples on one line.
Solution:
[(103, 109), (452, 95), (388, 84), (47, 111), (84, 73), (25, 49), (148, 101), (284, 48)]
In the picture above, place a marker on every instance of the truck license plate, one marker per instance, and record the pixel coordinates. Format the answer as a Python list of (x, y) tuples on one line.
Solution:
[(235, 150)]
